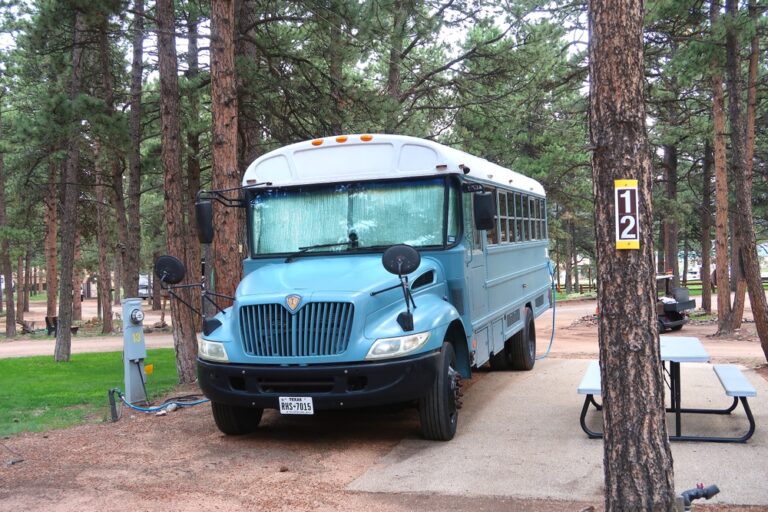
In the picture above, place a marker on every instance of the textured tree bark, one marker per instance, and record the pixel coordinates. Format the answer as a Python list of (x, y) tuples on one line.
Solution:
[(51, 237), (71, 188), (742, 174), (27, 280), (184, 338), (5, 256), (102, 237), (133, 238), (335, 58), (226, 247), (722, 279), (193, 153), (77, 281), (637, 459), (670, 224), (20, 280), (248, 127), (394, 73), (706, 229)]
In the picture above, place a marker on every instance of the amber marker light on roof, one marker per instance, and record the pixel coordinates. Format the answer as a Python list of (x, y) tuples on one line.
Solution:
[(317, 142), (366, 138), (341, 139)]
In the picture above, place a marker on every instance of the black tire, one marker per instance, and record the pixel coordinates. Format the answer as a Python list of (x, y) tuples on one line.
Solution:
[(522, 346), (662, 329), (438, 410), (500, 361), (235, 421), (677, 327)]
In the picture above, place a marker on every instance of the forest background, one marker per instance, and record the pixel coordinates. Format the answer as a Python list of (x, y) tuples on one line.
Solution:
[(97, 144)]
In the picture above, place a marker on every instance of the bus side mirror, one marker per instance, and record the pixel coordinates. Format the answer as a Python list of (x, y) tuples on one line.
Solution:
[(401, 260), (204, 214), (485, 210), (169, 270)]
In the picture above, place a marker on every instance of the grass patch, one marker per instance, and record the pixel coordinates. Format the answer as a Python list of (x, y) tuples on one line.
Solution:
[(39, 394)]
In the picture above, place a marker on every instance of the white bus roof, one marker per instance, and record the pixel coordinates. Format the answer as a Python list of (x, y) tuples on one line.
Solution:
[(372, 157)]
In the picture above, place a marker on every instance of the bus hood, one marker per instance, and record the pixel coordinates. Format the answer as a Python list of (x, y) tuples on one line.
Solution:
[(324, 274)]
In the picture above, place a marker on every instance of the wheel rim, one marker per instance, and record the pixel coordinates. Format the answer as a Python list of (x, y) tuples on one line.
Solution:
[(531, 344)]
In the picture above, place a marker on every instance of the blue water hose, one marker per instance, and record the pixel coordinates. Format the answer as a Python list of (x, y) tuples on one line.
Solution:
[(554, 309), (156, 408)]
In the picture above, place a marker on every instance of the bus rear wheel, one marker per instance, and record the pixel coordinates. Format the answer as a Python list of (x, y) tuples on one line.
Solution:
[(522, 348), (519, 351), (439, 409), (235, 421)]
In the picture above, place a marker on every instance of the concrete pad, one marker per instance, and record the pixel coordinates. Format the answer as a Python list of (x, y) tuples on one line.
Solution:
[(519, 436)]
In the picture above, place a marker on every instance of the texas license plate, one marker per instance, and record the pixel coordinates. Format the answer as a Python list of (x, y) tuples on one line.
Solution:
[(296, 405)]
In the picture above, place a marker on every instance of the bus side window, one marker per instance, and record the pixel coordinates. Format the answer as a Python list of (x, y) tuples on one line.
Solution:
[(502, 202), (493, 234)]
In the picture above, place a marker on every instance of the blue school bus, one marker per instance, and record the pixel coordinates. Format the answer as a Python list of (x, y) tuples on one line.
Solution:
[(380, 269)]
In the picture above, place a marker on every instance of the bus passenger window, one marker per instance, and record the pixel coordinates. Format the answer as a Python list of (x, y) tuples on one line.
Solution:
[(503, 217)]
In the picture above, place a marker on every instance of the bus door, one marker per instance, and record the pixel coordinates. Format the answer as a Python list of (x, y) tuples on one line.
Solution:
[(475, 277)]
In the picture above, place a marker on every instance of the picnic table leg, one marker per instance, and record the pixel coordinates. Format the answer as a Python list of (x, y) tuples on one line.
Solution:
[(674, 377), (590, 433)]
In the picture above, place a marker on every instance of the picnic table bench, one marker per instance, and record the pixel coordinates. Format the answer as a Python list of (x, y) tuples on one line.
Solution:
[(52, 326), (733, 381)]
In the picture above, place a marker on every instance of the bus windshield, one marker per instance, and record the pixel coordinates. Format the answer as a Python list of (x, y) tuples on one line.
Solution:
[(351, 216)]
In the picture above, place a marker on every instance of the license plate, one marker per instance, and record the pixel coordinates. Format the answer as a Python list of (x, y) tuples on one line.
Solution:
[(296, 405)]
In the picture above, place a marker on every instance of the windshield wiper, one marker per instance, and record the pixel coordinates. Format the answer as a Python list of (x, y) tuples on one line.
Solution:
[(302, 250)]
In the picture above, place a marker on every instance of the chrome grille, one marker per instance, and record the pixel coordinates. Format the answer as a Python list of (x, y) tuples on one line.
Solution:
[(317, 329)]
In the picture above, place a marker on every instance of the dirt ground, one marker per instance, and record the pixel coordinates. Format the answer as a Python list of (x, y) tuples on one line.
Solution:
[(182, 462)]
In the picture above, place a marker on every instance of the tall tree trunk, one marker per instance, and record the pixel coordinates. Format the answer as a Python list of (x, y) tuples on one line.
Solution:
[(193, 153), (335, 58), (69, 210), (634, 418), (722, 279), (133, 238), (248, 128), (51, 236), (227, 255), (394, 71), (27, 279), (77, 281), (156, 290), (5, 251), (670, 223), (742, 174), (20, 280), (184, 338), (102, 238), (706, 230)]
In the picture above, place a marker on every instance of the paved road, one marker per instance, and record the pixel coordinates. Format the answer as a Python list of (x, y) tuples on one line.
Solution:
[(45, 347), (519, 437)]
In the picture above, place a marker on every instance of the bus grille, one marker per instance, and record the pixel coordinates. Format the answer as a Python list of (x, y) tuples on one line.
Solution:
[(317, 329)]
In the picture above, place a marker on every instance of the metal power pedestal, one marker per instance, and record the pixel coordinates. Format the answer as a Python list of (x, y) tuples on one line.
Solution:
[(134, 351)]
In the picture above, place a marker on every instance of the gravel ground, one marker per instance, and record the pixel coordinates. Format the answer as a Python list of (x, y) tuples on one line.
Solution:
[(182, 462)]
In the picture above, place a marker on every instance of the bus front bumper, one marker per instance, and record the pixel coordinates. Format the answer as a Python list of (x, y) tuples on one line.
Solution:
[(338, 386)]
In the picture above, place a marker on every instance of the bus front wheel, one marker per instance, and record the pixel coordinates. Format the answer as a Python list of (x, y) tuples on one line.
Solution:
[(235, 421), (438, 410)]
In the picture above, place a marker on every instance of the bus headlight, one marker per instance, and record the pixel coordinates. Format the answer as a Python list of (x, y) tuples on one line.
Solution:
[(395, 347), (212, 350)]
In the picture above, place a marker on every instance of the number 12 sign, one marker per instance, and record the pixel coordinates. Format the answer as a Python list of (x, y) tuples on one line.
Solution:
[(627, 215)]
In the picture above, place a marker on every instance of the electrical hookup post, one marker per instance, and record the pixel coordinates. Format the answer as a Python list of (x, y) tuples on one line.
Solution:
[(627, 215), (134, 351)]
